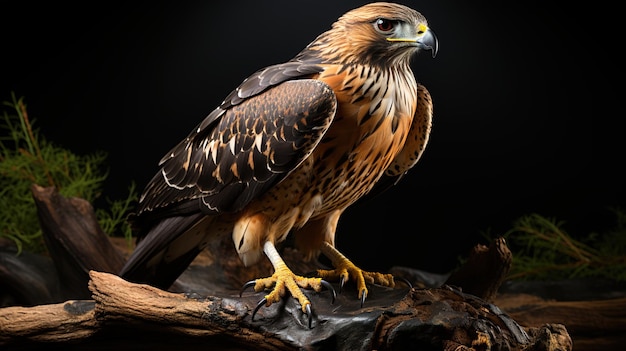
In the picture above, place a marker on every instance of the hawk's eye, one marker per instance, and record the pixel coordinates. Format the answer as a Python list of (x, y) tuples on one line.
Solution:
[(385, 25)]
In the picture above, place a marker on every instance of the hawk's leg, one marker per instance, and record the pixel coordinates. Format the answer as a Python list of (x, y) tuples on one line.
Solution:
[(284, 280), (345, 269)]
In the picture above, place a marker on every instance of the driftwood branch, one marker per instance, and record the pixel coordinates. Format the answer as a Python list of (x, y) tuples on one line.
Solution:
[(53, 323), (493, 262), (459, 321), (119, 302), (75, 239)]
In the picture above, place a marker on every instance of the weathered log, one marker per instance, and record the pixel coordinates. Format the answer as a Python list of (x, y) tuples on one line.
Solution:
[(593, 324), (53, 324), (27, 279), (443, 318), (74, 240), (203, 307), (485, 270)]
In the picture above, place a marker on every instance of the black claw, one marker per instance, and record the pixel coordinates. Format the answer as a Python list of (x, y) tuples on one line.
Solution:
[(363, 297), (309, 314), (405, 281), (246, 286), (342, 281), (258, 307), (332, 290)]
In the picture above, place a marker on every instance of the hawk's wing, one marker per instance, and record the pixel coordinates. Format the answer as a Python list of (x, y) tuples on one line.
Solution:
[(260, 133), (262, 130)]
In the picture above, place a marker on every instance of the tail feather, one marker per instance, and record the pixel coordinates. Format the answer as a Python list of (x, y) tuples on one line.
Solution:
[(168, 248)]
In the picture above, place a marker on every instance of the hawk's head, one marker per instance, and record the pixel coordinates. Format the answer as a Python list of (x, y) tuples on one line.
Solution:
[(380, 34)]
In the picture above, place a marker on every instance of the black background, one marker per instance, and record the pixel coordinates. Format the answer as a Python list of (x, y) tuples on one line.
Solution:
[(527, 116)]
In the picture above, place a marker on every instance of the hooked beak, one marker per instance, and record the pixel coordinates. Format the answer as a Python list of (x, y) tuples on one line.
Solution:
[(429, 42)]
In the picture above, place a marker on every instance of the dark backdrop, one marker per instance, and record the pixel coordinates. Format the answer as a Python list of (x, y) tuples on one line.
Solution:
[(526, 109)]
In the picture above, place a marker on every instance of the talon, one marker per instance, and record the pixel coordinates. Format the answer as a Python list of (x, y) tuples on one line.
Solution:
[(246, 286), (309, 314), (332, 290), (363, 297), (342, 281), (405, 281), (258, 306)]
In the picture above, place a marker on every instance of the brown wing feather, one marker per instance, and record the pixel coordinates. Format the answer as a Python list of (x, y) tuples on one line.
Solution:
[(250, 147), (267, 77)]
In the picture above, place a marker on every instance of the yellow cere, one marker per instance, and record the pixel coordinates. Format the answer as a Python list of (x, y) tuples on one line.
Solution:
[(421, 28)]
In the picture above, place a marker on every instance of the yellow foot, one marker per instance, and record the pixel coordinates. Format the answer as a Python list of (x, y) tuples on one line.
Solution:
[(346, 270), (284, 280)]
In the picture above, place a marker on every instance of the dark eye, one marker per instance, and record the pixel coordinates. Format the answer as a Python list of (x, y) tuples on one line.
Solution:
[(385, 25)]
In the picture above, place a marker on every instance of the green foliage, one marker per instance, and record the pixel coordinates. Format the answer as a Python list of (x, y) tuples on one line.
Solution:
[(113, 220), (27, 158), (542, 250)]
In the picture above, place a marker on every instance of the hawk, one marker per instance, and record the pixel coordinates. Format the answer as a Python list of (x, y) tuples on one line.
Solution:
[(288, 151)]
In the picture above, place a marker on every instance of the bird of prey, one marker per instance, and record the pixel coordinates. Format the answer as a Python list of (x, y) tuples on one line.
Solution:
[(288, 151)]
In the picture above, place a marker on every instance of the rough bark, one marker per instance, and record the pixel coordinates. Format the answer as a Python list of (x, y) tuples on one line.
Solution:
[(592, 324), (485, 270), (74, 239), (442, 318)]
